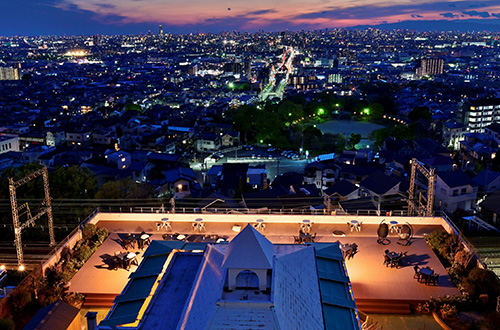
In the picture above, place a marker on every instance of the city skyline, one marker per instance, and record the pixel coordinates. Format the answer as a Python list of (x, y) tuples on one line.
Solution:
[(77, 17)]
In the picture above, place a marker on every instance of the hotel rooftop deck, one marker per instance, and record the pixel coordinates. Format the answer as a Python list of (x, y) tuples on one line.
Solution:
[(376, 288)]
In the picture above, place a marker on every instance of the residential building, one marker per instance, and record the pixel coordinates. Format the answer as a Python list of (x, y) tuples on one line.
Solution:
[(78, 138), (493, 130), (208, 142), (120, 159), (429, 67), (454, 190), (490, 209), (380, 188), (55, 138), (180, 181), (323, 175), (9, 73), (488, 181), (476, 115), (8, 143), (230, 139), (453, 133)]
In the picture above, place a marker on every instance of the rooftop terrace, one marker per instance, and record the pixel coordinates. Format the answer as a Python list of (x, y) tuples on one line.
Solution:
[(376, 288)]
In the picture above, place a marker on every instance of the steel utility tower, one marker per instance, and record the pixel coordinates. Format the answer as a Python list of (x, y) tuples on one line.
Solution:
[(45, 208), (418, 206)]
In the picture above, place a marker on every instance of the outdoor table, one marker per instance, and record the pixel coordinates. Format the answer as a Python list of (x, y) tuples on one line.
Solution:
[(259, 224), (143, 239), (305, 227), (198, 225), (426, 274), (164, 223), (393, 255), (355, 225), (426, 271), (393, 226), (306, 237)]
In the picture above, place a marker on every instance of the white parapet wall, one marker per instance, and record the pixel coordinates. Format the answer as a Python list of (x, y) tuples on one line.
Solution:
[(268, 218)]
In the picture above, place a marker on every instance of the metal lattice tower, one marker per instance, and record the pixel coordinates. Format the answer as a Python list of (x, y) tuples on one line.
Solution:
[(25, 209), (418, 206)]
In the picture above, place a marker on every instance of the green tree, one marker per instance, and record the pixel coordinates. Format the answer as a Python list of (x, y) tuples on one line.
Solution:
[(7, 324), (73, 182), (354, 139), (381, 135), (333, 143), (376, 111), (289, 111), (125, 189), (481, 281), (312, 130), (420, 112)]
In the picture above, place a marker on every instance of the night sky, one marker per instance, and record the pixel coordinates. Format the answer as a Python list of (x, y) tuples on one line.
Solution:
[(77, 17)]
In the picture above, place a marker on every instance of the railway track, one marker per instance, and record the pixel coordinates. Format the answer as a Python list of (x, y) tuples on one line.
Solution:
[(33, 254)]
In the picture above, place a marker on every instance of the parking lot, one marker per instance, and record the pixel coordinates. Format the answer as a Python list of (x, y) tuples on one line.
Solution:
[(275, 163)]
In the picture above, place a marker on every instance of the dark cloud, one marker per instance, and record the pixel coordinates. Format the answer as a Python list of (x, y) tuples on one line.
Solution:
[(260, 12), (482, 14), (373, 12), (477, 5), (449, 15), (495, 15), (416, 16), (106, 5)]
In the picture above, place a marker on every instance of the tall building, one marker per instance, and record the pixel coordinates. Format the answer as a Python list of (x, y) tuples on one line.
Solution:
[(9, 73), (96, 39), (160, 30), (477, 114), (429, 67)]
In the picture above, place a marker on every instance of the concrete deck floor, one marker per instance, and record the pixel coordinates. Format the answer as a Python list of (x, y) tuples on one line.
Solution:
[(370, 279)]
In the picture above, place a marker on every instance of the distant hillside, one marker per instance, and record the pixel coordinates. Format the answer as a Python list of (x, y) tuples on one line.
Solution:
[(491, 25)]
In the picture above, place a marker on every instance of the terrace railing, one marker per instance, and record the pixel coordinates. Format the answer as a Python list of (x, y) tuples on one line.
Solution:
[(188, 210)]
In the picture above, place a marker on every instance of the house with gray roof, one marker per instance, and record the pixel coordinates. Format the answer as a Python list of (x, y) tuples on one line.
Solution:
[(380, 188), (454, 190), (488, 181)]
